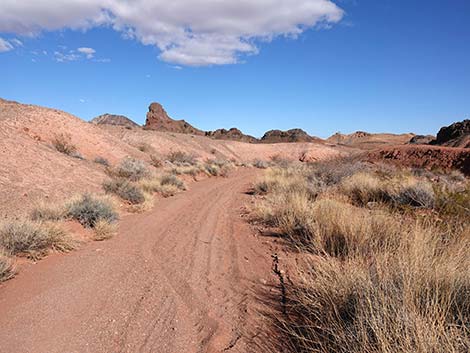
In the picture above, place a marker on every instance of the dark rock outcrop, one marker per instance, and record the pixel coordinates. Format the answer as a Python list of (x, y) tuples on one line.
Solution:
[(158, 119), (233, 134), (112, 119), (455, 135), (421, 139), (293, 135)]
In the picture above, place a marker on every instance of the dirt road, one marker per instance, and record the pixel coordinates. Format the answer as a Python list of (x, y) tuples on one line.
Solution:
[(179, 278)]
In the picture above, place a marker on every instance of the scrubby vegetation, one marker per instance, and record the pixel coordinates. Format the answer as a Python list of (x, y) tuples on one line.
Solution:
[(104, 230), (32, 239), (131, 169), (63, 144), (89, 210), (125, 190), (7, 269), (382, 256), (180, 157)]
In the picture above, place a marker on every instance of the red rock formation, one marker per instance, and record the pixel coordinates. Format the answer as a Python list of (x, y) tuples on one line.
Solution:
[(158, 119)]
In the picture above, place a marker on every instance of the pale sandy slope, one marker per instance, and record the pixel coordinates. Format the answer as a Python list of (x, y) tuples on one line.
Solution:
[(181, 278), (32, 170)]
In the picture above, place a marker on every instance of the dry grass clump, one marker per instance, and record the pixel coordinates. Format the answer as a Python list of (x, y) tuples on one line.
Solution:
[(48, 212), (155, 185), (89, 210), (103, 230), (258, 163), (372, 279), (399, 190), (33, 239), (413, 299), (333, 171), (125, 190), (63, 143), (180, 157), (156, 161), (170, 179), (192, 170), (7, 269), (132, 169)]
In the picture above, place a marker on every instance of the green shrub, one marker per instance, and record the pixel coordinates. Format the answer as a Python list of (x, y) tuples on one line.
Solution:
[(125, 190), (88, 210)]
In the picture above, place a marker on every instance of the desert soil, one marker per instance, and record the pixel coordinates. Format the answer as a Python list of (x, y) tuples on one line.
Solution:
[(179, 278)]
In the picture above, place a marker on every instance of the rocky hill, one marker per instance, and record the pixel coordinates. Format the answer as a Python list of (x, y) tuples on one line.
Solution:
[(158, 119), (421, 139), (368, 141), (233, 134), (112, 119), (455, 135), (293, 135)]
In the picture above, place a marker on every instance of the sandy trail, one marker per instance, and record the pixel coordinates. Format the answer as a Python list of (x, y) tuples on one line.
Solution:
[(179, 278)]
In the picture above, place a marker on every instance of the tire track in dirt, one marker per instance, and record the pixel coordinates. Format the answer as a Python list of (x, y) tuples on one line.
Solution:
[(175, 279)]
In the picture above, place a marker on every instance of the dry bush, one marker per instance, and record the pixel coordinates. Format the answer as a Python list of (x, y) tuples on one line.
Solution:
[(104, 230), (101, 160), (413, 299), (88, 210), (372, 280), (258, 163), (131, 169), (180, 157), (156, 161), (154, 185), (63, 143), (170, 179), (192, 170), (7, 269), (48, 212), (218, 167), (333, 171), (145, 147), (125, 190), (33, 239)]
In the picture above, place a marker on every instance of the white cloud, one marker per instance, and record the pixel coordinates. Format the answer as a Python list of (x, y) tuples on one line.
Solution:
[(16, 42), (5, 45), (187, 32), (89, 52)]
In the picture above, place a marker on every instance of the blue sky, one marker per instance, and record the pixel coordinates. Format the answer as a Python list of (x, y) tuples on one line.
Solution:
[(373, 65)]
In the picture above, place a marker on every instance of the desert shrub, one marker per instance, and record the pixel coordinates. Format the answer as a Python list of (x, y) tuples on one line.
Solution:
[(212, 169), (169, 179), (156, 161), (88, 210), (280, 161), (77, 155), (258, 163), (101, 160), (63, 143), (132, 169), (180, 157), (33, 239), (103, 230), (125, 190), (416, 195), (7, 269), (333, 171), (415, 299), (192, 170), (155, 185), (453, 203), (48, 212), (371, 279)]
